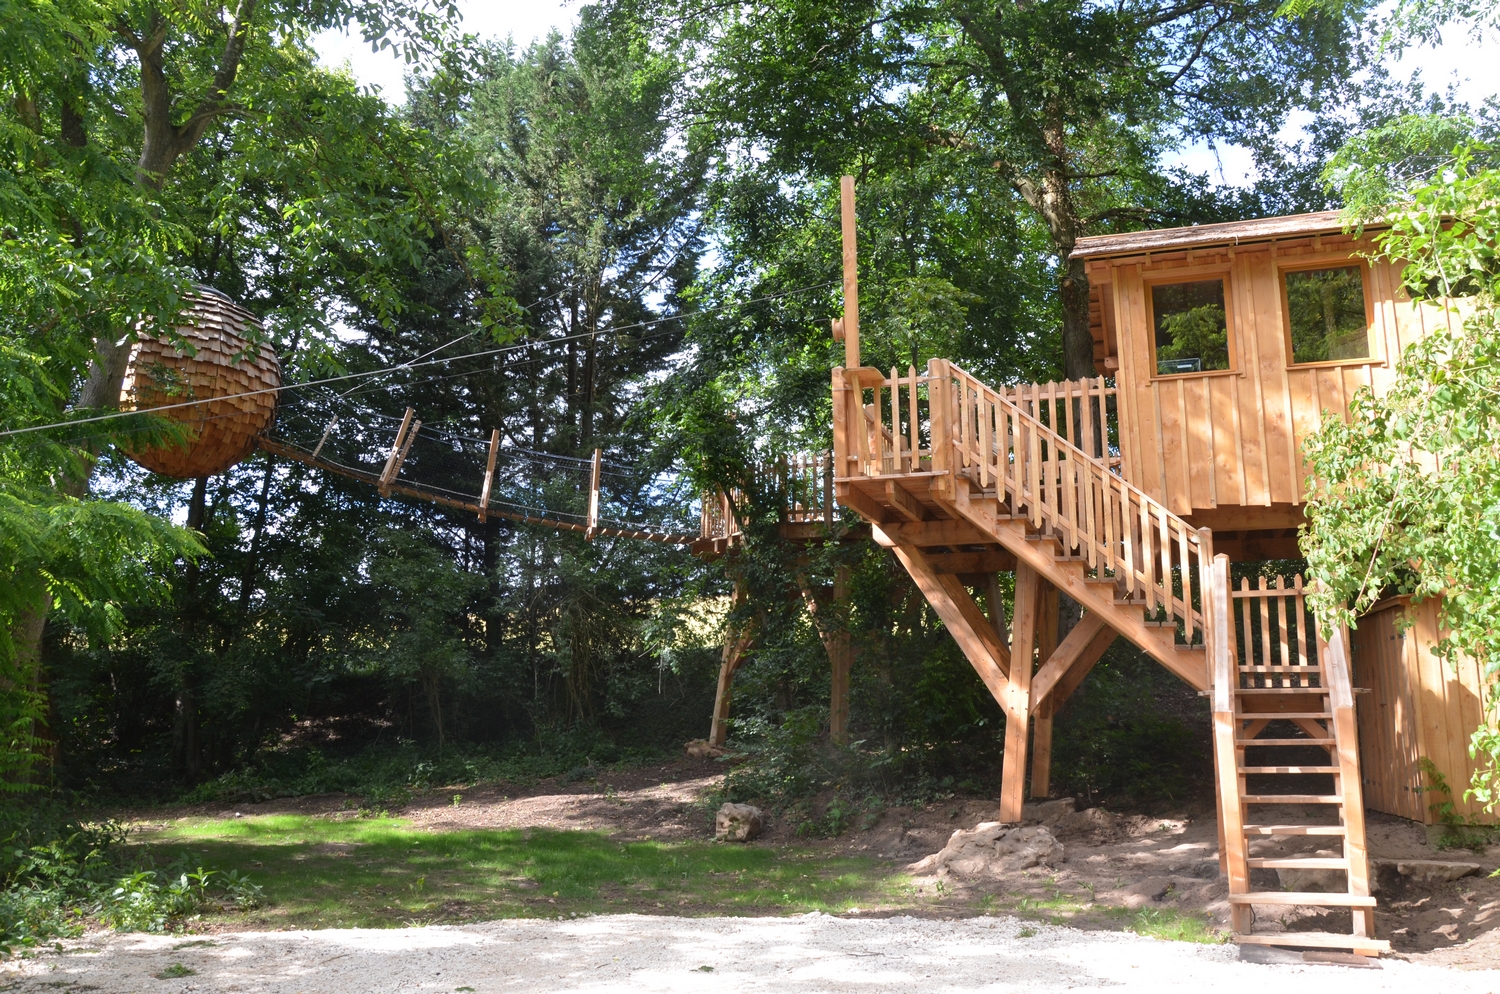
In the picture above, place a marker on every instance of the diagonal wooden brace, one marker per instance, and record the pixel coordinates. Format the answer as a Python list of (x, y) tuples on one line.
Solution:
[(962, 617)]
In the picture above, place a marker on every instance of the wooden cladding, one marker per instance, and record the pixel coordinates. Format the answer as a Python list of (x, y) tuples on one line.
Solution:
[(1019, 444), (1233, 437), (1416, 707)]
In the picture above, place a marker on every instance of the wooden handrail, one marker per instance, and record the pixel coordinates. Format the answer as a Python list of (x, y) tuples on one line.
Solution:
[(1092, 512), (804, 481), (1017, 442)]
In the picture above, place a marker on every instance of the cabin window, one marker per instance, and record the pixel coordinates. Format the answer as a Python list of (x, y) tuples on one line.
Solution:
[(1192, 329), (1326, 311)]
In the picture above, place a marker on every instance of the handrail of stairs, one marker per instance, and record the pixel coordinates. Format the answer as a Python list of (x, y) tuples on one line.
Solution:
[(1117, 528), (1122, 533)]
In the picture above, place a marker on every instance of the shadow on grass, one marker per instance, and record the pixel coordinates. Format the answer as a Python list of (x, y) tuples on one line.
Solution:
[(319, 872)]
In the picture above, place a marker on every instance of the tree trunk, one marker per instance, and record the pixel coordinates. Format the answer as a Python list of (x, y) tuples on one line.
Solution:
[(1077, 339)]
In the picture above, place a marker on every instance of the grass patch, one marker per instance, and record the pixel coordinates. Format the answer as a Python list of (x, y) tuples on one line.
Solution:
[(321, 872), (1169, 923)]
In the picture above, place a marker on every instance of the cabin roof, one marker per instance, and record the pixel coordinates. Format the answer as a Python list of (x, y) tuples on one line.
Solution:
[(1228, 233)]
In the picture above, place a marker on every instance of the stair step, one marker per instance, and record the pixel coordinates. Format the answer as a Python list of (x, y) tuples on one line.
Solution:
[(1293, 799), (1294, 829), (1289, 769), (1278, 715), (1326, 743), (1307, 898), (1315, 940), (1253, 668), (1263, 691), (1292, 863)]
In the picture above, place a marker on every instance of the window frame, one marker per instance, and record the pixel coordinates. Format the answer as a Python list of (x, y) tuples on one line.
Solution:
[(1328, 261), (1193, 274)]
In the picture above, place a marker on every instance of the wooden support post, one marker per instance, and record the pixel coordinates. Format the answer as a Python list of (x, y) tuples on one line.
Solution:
[(1345, 727), (1041, 723), (405, 435), (737, 642), (593, 528), (489, 475), (1017, 701), (1223, 675), (851, 274)]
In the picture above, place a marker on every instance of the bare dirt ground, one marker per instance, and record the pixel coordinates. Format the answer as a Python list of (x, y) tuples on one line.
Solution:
[(1169, 863)]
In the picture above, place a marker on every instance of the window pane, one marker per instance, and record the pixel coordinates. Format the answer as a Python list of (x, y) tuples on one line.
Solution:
[(1326, 308), (1191, 332)]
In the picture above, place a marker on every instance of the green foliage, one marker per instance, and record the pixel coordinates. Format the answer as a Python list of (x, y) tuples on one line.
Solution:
[(1200, 332), (1132, 735), (57, 875), (1405, 498)]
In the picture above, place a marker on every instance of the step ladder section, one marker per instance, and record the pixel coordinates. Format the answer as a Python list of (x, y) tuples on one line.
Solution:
[(1281, 699)]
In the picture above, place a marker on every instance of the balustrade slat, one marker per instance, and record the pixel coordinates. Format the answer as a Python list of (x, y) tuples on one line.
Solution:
[(1187, 584), (916, 429)]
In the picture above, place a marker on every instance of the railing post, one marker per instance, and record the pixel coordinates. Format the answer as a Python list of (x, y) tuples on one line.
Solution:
[(840, 388), (1345, 727), (939, 416), (593, 528), (1222, 674)]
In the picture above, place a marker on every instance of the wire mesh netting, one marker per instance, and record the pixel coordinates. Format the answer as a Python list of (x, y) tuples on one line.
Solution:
[(443, 465)]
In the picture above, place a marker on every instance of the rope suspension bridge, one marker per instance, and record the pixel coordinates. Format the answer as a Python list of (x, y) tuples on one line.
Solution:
[(487, 477)]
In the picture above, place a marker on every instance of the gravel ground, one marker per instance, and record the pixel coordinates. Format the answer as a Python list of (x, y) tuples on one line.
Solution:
[(642, 953)]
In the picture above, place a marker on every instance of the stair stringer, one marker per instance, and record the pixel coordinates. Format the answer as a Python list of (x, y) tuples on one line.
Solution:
[(1159, 642)]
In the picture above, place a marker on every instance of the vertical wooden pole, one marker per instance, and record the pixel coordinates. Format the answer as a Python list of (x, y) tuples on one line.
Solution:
[(489, 475), (1018, 693), (851, 275), (1345, 728), (1041, 722), (594, 497), (1223, 675)]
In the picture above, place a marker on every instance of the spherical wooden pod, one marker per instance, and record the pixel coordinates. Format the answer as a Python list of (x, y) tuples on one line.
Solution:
[(225, 366)]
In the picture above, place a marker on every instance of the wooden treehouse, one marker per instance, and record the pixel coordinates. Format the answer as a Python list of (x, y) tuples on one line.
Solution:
[(1224, 345)]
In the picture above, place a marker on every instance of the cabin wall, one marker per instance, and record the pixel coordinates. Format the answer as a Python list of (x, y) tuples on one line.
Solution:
[(1416, 706), (1232, 438)]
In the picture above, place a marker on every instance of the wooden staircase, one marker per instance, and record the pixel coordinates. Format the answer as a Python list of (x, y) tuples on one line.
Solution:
[(942, 461), (1283, 694)]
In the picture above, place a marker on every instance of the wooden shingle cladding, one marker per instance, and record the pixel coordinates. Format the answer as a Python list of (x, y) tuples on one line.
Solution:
[(1417, 707), (1232, 438)]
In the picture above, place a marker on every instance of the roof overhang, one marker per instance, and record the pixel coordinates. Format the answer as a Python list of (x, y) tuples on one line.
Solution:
[(1203, 235)]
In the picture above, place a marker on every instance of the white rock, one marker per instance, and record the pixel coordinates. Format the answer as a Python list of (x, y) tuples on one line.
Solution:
[(993, 849), (738, 822)]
